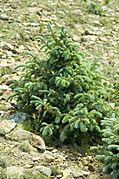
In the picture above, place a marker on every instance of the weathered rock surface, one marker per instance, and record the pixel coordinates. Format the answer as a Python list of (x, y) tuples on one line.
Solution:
[(18, 117), (20, 156), (6, 126), (45, 170), (37, 142), (16, 133)]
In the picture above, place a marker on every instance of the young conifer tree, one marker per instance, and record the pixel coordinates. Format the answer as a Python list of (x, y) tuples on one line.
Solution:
[(108, 152), (64, 93)]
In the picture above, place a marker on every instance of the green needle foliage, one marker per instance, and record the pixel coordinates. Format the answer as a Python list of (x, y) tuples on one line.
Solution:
[(65, 94), (109, 151)]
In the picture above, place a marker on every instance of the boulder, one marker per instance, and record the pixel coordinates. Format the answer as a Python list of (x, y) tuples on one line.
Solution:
[(19, 134), (38, 142), (6, 126)]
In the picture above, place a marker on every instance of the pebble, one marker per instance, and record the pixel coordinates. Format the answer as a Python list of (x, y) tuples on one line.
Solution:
[(4, 17)]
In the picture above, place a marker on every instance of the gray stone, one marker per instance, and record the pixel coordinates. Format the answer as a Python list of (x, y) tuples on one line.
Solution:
[(18, 117), (4, 17), (45, 170)]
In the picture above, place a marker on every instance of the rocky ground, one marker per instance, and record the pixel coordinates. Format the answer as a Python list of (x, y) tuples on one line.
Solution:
[(20, 23), (25, 155)]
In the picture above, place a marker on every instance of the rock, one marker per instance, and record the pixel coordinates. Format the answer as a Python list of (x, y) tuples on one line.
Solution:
[(18, 117), (76, 38), (96, 22), (45, 170), (48, 156), (21, 49), (4, 87), (85, 161), (27, 166), (33, 24), (80, 164), (13, 171), (19, 134), (89, 32), (104, 39), (60, 158), (89, 38), (54, 151), (49, 148), (38, 142), (4, 17), (6, 126), (67, 174), (37, 158), (2, 113), (8, 46), (79, 173)]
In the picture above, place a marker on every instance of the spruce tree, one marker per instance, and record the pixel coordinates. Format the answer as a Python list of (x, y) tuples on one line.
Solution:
[(64, 93)]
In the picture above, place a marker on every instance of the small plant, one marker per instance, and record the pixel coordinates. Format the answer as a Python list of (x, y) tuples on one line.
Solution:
[(25, 146), (65, 94), (55, 170), (95, 9), (109, 151), (116, 91)]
